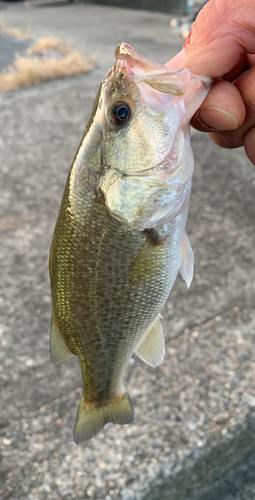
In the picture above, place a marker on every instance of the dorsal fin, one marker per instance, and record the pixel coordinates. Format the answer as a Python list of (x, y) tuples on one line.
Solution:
[(187, 260), (151, 348), (58, 349)]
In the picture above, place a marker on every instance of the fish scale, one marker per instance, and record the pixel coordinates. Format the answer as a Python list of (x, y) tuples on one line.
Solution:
[(120, 234)]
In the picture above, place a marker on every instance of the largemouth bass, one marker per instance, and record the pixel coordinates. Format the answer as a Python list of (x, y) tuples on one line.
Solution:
[(120, 236)]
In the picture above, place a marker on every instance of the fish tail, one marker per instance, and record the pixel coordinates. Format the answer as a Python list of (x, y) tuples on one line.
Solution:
[(90, 421)]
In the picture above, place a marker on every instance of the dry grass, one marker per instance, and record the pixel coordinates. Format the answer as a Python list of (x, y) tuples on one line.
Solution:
[(50, 43), (32, 69), (22, 34)]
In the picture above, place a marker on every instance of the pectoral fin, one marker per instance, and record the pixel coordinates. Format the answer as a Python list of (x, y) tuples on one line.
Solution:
[(58, 349), (151, 348), (187, 260)]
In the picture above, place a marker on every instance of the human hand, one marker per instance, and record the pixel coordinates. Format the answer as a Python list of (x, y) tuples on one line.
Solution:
[(221, 44)]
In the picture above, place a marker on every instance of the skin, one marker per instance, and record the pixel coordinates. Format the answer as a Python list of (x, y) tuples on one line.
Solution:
[(221, 44)]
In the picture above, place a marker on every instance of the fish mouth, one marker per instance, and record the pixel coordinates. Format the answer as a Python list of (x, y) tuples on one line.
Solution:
[(141, 69), (135, 65)]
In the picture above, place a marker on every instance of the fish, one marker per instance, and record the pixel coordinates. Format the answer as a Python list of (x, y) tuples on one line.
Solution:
[(120, 237)]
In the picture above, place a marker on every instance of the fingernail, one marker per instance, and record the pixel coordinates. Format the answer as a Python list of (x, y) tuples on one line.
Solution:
[(203, 127), (218, 118)]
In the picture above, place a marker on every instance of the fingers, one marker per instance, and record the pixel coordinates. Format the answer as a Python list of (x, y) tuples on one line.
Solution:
[(245, 84), (222, 109), (221, 34), (250, 60), (222, 44), (237, 70), (249, 144), (176, 61)]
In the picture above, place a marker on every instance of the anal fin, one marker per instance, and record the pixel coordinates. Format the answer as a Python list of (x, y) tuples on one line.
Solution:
[(58, 349), (187, 260), (151, 348)]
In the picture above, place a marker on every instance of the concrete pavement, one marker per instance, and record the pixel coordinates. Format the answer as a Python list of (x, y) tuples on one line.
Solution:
[(195, 414)]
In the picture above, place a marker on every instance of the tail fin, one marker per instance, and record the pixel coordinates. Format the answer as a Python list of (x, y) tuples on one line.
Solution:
[(90, 422)]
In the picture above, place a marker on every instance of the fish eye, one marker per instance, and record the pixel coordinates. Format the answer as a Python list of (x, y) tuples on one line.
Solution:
[(120, 113)]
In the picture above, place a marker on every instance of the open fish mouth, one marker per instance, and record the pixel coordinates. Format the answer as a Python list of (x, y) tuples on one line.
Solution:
[(142, 69)]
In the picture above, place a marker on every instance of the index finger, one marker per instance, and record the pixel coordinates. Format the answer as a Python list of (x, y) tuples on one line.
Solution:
[(222, 33), (177, 60)]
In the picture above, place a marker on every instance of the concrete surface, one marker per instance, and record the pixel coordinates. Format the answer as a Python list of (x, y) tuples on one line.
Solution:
[(168, 6), (237, 485), (195, 414), (10, 46)]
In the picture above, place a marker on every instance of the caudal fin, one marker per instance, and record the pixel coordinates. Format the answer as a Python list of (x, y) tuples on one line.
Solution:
[(90, 422)]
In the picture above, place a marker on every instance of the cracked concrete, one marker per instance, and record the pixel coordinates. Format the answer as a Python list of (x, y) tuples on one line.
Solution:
[(194, 415)]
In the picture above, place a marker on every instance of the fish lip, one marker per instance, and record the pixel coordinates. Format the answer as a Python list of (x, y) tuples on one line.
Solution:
[(138, 65), (129, 61), (124, 52)]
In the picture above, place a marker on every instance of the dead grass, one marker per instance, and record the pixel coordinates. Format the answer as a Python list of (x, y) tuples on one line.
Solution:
[(33, 69), (22, 34), (29, 71), (50, 43)]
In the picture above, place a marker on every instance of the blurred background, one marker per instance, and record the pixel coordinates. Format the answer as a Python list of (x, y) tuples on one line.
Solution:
[(193, 435)]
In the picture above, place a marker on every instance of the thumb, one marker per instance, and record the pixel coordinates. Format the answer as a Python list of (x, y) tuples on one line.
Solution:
[(223, 32)]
